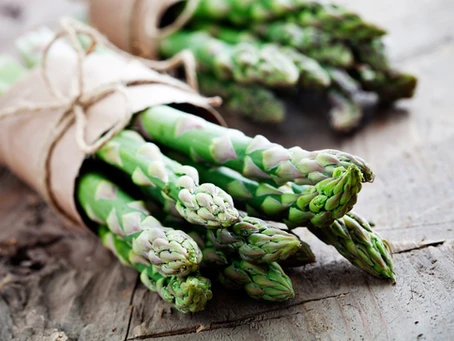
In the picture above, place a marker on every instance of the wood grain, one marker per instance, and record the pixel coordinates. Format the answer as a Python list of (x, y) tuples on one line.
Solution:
[(56, 285)]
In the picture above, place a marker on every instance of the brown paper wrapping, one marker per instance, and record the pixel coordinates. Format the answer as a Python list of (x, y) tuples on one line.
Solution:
[(130, 24), (22, 137)]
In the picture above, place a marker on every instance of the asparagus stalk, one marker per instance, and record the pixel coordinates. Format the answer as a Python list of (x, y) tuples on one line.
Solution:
[(244, 12), (10, 72), (265, 281), (372, 53), (337, 21), (251, 238), (255, 240), (344, 95), (169, 182), (251, 101), (390, 85), (255, 157), (311, 41), (185, 293), (243, 63), (172, 251), (319, 205), (354, 239), (311, 73), (374, 72), (344, 114), (303, 256)]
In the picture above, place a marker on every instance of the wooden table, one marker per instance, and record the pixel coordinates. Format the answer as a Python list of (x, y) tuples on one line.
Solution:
[(65, 286)]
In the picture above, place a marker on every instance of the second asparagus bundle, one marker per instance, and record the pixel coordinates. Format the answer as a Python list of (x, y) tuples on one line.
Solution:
[(246, 50)]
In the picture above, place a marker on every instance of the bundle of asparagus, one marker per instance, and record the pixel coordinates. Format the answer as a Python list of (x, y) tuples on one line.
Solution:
[(247, 49), (173, 208)]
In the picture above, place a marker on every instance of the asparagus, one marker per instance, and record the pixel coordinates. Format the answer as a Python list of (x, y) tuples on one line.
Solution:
[(390, 85), (252, 101), (374, 72), (243, 63), (251, 238), (303, 256), (353, 237), (337, 21), (265, 281), (10, 72), (311, 41), (244, 12), (185, 293), (255, 240), (255, 157), (372, 53), (311, 74), (345, 114), (172, 251), (168, 181), (319, 205)]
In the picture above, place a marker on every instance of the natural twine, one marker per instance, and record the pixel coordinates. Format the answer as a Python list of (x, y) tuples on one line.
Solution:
[(151, 20), (73, 106)]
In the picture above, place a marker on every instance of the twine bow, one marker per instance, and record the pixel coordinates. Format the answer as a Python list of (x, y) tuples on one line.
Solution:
[(73, 105)]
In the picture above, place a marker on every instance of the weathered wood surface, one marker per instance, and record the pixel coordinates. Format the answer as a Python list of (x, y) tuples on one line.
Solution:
[(60, 286)]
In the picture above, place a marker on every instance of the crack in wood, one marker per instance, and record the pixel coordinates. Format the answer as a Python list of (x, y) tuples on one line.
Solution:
[(131, 307), (248, 319), (422, 246)]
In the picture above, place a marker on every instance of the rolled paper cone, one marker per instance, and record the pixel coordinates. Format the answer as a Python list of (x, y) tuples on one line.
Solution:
[(131, 25), (23, 137)]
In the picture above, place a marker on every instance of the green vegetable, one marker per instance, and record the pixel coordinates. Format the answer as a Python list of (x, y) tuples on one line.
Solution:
[(255, 158), (186, 293), (169, 182), (243, 63), (172, 251), (252, 101), (353, 237)]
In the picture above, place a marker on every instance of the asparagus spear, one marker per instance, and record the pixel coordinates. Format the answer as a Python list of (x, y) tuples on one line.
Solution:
[(390, 85), (336, 20), (319, 205), (375, 73), (344, 114), (353, 237), (372, 53), (243, 63), (168, 181), (311, 41), (185, 293), (253, 157), (256, 240), (311, 74), (251, 101), (344, 95), (265, 281), (251, 238), (172, 251), (10, 72), (302, 256)]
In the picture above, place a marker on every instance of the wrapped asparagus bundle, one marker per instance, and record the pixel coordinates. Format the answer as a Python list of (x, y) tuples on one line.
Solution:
[(97, 172), (251, 48)]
